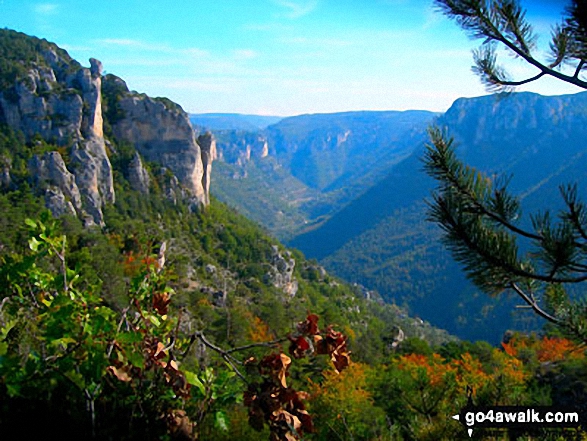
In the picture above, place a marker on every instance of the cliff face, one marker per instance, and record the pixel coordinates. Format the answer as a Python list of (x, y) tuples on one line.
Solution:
[(161, 132), (52, 99)]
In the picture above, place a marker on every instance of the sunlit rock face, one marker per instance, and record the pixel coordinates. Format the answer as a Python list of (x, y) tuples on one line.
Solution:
[(162, 133), (59, 102), (61, 108), (208, 146)]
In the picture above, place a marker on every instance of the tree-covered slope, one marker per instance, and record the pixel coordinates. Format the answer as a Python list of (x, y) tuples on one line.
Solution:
[(383, 240)]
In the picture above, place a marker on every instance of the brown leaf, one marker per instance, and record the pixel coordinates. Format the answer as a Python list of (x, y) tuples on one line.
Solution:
[(159, 351), (300, 347), (306, 420), (120, 373), (276, 365), (340, 360), (180, 425)]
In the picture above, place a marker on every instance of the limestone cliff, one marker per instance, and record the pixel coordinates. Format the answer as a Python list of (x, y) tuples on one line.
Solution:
[(238, 147), (161, 132), (208, 145), (58, 104)]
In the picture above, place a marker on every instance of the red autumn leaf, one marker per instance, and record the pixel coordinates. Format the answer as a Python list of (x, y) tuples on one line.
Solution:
[(309, 326), (300, 347), (161, 302)]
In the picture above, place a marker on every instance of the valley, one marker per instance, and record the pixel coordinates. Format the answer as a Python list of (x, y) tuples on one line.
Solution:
[(360, 209)]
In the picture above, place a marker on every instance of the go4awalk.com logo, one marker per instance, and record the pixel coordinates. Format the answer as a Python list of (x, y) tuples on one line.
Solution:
[(519, 417)]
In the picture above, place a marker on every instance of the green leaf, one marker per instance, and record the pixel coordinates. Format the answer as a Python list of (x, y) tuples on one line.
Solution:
[(77, 379), (129, 337), (31, 223), (193, 379), (221, 421), (13, 390), (34, 244), (136, 359), (62, 342), (6, 329), (155, 320)]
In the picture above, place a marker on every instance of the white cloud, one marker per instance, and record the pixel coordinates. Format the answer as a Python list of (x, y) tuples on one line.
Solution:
[(46, 8), (245, 54), (297, 8)]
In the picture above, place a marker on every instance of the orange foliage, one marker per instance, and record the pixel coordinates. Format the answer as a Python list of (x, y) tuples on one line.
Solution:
[(554, 349), (345, 391), (471, 373), (510, 367), (434, 366), (131, 264), (546, 348), (259, 331)]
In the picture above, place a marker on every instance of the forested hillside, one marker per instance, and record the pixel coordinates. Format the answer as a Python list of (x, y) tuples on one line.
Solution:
[(384, 241)]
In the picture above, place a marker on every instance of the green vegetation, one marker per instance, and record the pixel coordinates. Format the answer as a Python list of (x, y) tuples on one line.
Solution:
[(169, 324), (18, 52), (113, 89), (169, 105)]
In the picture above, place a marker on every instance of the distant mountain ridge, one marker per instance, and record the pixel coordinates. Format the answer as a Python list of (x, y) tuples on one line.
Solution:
[(324, 161), (348, 189), (232, 121)]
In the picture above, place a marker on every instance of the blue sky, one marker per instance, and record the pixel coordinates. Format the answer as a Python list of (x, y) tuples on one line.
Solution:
[(275, 57)]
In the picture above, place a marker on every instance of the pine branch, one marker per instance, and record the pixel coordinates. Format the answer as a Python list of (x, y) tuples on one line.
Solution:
[(490, 255), (503, 21), (437, 164)]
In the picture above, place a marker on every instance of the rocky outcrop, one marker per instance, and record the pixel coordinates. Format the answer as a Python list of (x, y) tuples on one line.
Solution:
[(50, 175), (5, 178), (281, 272), (93, 173), (54, 101), (138, 177), (239, 147), (208, 146), (60, 102)]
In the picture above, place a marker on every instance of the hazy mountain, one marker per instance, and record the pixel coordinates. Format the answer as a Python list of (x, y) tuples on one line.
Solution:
[(232, 121)]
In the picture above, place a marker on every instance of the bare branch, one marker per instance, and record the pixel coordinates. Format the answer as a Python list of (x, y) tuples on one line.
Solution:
[(224, 354), (532, 303)]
